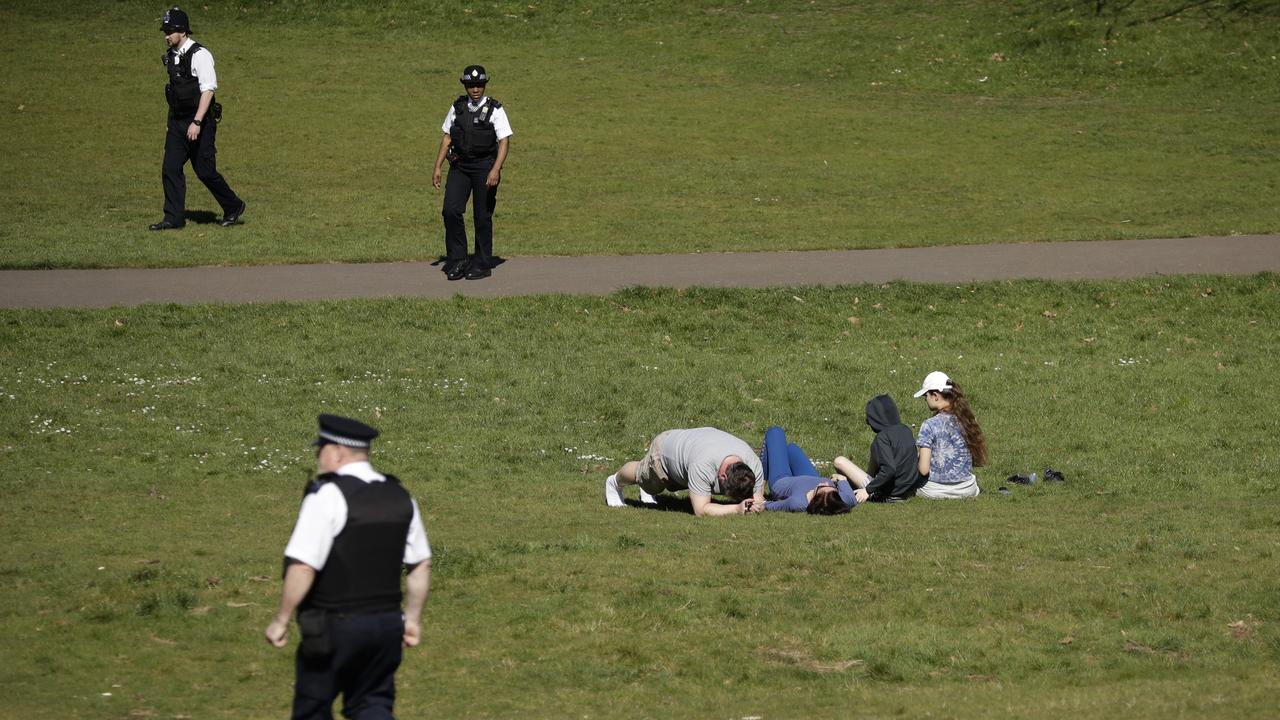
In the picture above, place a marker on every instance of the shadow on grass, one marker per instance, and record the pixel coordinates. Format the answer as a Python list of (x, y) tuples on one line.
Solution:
[(201, 217), (665, 503)]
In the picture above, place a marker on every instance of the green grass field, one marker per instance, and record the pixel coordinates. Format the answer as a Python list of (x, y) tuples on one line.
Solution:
[(153, 460), (642, 127)]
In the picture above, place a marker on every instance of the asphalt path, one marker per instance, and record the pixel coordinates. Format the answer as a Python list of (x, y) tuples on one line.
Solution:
[(598, 275)]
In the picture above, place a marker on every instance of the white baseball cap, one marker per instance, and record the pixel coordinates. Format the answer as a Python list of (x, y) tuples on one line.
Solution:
[(936, 380)]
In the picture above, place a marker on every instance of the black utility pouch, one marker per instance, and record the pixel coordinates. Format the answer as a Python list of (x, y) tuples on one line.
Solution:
[(317, 641), (217, 112)]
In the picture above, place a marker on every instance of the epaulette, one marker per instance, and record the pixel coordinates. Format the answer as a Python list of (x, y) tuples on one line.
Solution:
[(315, 483)]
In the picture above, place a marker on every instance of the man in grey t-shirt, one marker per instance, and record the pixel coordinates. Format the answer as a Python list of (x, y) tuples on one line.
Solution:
[(704, 461)]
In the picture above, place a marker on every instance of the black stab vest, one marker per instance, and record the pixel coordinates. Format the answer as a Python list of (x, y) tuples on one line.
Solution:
[(363, 571), (472, 133), (183, 90)]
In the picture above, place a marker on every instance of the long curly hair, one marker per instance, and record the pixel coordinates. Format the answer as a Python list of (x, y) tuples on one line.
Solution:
[(973, 437)]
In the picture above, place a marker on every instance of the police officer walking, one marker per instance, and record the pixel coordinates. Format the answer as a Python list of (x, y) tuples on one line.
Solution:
[(355, 530), (476, 135), (193, 125)]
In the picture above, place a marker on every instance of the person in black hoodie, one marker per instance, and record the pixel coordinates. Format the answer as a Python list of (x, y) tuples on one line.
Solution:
[(892, 472)]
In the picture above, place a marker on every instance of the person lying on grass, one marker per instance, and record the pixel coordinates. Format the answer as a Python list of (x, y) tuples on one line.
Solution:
[(892, 472), (795, 483), (704, 461), (951, 442)]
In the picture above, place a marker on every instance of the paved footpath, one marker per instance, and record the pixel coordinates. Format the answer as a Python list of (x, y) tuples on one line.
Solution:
[(1237, 255)]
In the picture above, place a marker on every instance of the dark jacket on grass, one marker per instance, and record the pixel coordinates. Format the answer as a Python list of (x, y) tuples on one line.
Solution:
[(893, 465)]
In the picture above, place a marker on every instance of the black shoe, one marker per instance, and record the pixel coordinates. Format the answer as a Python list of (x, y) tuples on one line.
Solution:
[(458, 272), (478, 273), (232, 218), (1051, 475), (451, 265), (1018, 480), (164, 225)]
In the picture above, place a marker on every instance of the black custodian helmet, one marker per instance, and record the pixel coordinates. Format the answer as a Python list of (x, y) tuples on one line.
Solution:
[(175, 20), (474, 75)]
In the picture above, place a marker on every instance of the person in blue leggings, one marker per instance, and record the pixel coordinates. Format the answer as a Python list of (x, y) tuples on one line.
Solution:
[(796, 485)]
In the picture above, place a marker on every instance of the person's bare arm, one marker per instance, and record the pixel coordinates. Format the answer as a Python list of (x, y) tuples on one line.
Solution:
[(923, 465), (193, 130), (495, 174), (297, 582), (417, 585), (702, 506), (445, 142)]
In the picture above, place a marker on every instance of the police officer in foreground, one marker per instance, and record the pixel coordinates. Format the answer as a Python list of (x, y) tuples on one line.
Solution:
[(355, 530), (193, 125), (476, 135)]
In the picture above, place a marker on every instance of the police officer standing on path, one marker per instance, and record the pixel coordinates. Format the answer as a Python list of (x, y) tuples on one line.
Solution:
[(193, 124), (355, 530), (476, 135)]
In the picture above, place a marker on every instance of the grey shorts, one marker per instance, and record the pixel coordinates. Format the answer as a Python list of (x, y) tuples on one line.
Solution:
[(651, 476)]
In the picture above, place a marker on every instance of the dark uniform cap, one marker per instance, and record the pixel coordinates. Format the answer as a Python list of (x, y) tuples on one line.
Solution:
[(345, 431), (175, 20), (474, 75)]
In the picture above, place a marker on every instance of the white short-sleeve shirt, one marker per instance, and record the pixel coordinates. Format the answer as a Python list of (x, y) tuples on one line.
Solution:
[(324, 514), (201, 65), (501, 125)]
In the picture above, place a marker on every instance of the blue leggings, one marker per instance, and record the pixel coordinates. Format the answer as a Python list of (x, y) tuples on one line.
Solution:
[(782, 459)]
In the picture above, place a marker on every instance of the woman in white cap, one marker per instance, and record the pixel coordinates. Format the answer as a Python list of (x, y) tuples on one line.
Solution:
[(951, 442)]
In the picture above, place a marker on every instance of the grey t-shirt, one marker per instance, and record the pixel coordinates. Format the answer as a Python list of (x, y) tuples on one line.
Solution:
[(691, 459)]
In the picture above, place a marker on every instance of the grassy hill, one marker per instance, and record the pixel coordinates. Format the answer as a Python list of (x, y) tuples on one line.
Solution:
[(644, 127)]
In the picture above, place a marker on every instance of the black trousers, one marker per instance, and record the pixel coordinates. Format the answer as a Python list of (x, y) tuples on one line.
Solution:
[(466, 180), (203, 155), (366, 653)]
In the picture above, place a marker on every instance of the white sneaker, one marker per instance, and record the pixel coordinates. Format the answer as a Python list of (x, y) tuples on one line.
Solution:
[(613, 493), (647, 499)]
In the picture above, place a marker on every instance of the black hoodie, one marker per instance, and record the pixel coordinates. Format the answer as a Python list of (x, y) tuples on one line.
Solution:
[(894, 461)]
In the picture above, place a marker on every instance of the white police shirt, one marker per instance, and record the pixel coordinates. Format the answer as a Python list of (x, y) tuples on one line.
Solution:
[(201, 65), (324, 514), (501, 125)]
